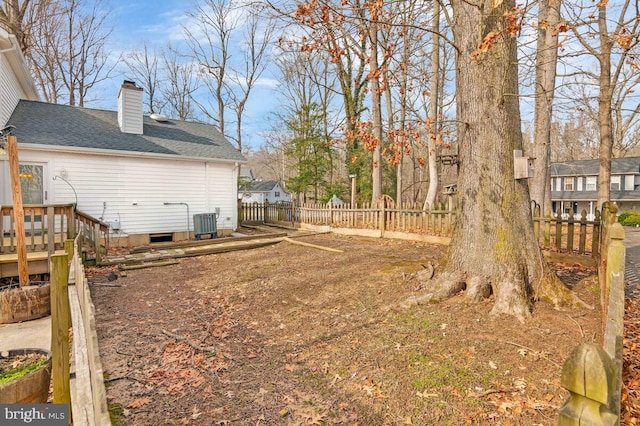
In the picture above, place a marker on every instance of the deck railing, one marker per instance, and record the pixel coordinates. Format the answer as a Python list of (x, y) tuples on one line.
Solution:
[(48, 226)]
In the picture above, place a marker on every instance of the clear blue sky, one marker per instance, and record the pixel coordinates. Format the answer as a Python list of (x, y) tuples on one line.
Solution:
[(158, 22)]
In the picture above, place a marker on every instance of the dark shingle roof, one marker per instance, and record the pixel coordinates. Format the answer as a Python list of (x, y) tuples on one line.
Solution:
[(68, 126), (619, 166), (260, 186)]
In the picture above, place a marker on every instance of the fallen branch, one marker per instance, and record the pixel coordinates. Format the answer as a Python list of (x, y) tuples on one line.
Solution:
[(188, 342), (113, 379), (540, 354), (300, 243)]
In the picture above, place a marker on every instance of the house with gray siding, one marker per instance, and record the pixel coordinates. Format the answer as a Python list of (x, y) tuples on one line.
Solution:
[(574, 185)]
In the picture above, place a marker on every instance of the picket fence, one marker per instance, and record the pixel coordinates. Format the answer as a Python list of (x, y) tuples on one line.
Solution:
[(572, 234)]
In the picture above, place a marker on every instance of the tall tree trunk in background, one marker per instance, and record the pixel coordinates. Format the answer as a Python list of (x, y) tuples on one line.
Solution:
[(546, 61), (376, 111), (493, 249), (433, 109), (605, 97)]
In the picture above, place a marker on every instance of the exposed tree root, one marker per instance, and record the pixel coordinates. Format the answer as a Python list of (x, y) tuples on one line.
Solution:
[(445, 286), (511, 298)]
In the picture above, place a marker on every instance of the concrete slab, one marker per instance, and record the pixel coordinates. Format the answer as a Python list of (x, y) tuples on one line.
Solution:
[(29, 334)]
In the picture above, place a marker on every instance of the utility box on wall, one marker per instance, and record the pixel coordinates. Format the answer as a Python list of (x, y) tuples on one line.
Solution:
[(522, 166)]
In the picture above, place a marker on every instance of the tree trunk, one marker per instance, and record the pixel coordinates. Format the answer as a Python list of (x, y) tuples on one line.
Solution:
[(604, 108), (493, 249), (546, 60), (433, 109), (376, 111)]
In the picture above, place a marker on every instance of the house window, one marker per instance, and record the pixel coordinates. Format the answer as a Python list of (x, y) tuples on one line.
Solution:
[(568, 184), (579, 184), (615, 183), (277, 193), (629, 182), (558, 184), (591, 183)]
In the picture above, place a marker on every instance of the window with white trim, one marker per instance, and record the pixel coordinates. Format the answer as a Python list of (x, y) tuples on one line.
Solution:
[(568, 184), (629, 182), (558, 184), (591, 183), (579, 183), (615, 183)]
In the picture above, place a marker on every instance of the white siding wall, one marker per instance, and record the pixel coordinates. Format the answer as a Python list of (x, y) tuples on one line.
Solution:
[(135, 190), (10, 92)]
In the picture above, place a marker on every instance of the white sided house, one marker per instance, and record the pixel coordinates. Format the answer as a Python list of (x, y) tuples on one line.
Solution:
[(15, 80), (146, 176), (268, 191)]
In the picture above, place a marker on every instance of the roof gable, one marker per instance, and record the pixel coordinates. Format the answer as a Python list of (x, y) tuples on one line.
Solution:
[(85, 128)]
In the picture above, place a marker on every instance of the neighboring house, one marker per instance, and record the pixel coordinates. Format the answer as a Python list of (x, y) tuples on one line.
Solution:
[(15, 80), (270, 191), (145, 176), (574, 185)]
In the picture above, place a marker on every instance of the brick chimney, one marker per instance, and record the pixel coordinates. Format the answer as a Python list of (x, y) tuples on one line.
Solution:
[(130, 108)]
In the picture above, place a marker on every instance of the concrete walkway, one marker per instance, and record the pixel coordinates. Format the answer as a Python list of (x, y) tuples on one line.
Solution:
[(632, 261), (34, 334)]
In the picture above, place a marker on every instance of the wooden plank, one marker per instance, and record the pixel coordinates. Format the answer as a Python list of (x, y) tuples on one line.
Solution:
[(60, 323), (98, 391), (149, 265), (18, 210), (81, 397)]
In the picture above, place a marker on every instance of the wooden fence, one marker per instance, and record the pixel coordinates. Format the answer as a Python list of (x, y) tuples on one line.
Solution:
[(593, 373), (77, 380), (48, 226), (570, 235)]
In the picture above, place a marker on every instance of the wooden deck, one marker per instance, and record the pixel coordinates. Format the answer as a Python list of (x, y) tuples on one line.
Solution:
[(38, 263)]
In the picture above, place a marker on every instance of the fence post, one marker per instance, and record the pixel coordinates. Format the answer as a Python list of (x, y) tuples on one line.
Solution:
[(60, 323), (383, 215), (547, 229), (614, 319), (559, 231), (583, 232), (96, 243), (597, 229), (589, 375)]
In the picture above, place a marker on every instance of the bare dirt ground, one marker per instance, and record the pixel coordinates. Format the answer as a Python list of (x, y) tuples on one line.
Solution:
[(291, 335)]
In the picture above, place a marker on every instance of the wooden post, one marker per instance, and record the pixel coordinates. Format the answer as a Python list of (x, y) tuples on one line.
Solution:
[(18, 210), (60, 323), (614, 321), (547, 229), (51, 231), (68, 248), (96, 243)]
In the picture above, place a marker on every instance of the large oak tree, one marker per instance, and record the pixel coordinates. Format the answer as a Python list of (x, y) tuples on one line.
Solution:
[(493, 249)]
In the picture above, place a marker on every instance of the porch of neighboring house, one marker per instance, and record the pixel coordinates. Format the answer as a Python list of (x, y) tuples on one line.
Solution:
[(47, 227)]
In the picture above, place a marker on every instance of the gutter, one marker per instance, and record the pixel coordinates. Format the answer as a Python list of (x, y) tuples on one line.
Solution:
[(17, 62)]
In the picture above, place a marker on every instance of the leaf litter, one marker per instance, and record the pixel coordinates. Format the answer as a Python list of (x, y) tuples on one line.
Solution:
[(301, 336)]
